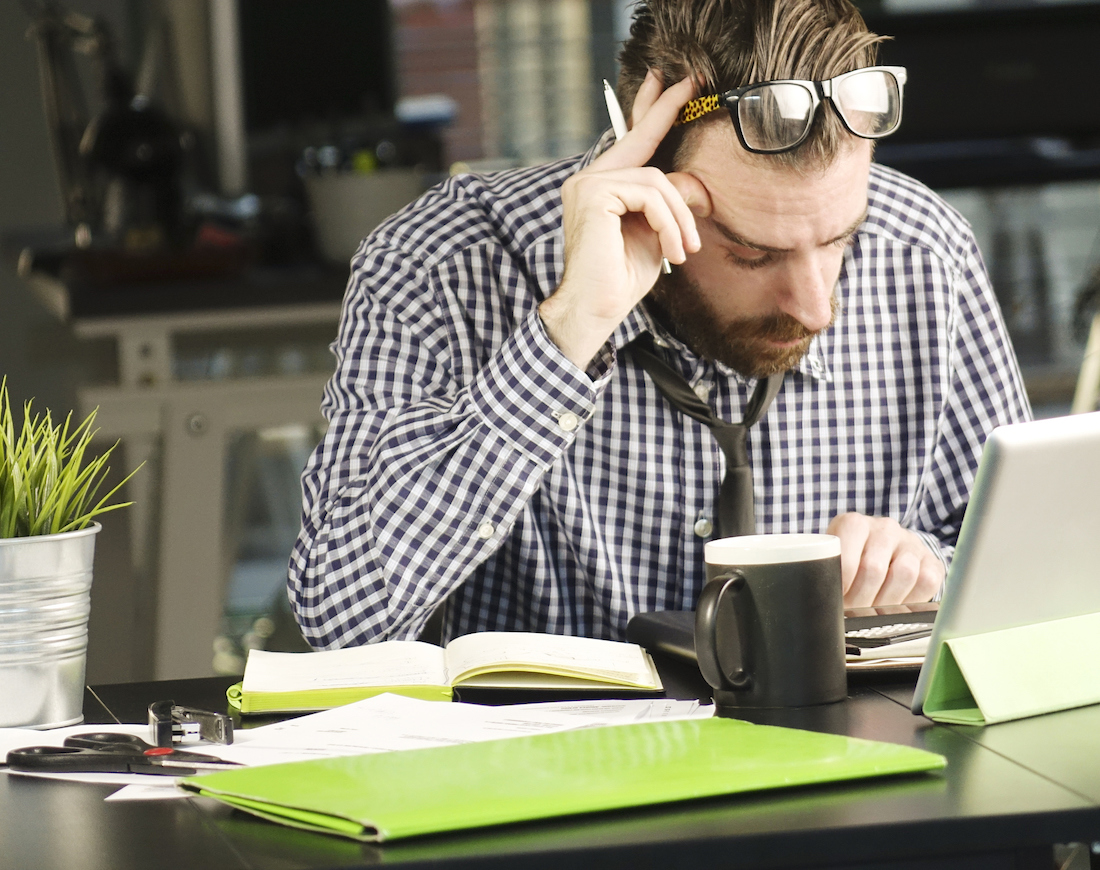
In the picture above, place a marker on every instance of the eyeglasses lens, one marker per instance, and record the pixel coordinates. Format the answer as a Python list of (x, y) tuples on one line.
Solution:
[(774, 116), (870, 102)]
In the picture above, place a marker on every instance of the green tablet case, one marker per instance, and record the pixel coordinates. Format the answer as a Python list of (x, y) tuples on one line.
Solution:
[(391, 795), (1009, 674)]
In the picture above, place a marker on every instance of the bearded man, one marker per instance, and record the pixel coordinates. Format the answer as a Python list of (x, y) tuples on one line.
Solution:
[(528, 416)]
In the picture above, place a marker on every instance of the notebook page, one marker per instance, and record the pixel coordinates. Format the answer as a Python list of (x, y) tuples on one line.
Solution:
[(556, 654), (394, 663)]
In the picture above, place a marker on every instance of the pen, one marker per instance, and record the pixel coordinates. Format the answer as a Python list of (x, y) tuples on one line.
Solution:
[(618, 124), (614, 111)]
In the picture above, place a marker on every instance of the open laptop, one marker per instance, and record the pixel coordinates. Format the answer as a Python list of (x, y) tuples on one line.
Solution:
[(1029, 547)]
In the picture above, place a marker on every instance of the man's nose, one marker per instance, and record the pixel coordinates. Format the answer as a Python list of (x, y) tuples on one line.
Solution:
[(808, 294)]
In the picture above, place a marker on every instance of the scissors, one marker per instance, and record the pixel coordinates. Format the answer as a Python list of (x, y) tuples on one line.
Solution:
[(111, 752)]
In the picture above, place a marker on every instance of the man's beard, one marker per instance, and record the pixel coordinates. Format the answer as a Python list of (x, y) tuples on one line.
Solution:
[(744, 345)]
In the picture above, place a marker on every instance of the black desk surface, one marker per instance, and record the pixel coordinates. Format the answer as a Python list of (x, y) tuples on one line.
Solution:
[(1008, 793)]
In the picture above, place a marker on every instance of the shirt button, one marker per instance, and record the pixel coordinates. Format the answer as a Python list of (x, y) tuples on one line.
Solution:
[(703, 527), (486, 531), (815, 365), (568, 421), (702, 390)]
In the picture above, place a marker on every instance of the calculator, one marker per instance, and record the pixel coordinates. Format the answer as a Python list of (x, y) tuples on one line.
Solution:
[(871, 627)]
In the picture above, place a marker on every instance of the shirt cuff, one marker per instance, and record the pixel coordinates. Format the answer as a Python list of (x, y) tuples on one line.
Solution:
[(532, 395), (944, 555)]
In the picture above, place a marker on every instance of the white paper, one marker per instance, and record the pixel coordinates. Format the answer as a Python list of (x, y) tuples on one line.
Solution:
[(155, 792), (611, 712), (916, 648), (383, 723), (390, 722), (397, 663)]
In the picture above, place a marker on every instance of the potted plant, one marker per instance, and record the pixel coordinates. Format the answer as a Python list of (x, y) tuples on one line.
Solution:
[(49, 500)]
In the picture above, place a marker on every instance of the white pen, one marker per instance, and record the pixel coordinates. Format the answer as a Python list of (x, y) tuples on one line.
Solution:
[(614, 111), (618, 124)]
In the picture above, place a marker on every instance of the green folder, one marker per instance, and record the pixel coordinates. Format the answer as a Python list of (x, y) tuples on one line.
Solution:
[(391, 795), (998, 676)]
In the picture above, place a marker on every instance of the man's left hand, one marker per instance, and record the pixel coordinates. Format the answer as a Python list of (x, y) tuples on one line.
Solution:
[(883, 563)]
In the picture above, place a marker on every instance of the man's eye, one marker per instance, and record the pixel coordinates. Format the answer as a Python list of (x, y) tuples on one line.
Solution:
[(755, 260), (846, 242)]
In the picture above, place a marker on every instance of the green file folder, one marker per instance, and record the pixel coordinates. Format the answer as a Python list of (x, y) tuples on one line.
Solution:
[(1009, 674), (391, 795)]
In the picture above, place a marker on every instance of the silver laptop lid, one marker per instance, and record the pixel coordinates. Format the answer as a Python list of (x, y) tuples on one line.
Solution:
[(1029, 547)]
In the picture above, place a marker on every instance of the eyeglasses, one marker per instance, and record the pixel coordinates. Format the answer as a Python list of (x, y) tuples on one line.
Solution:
[(771, 117)]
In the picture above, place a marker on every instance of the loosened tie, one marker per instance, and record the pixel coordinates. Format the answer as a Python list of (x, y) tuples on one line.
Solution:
[(736, 512)]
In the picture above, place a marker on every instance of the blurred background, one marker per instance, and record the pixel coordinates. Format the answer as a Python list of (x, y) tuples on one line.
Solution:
[(182, 183)]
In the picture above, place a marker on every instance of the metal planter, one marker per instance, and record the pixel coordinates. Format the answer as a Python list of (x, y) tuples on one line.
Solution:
[(45, 598)]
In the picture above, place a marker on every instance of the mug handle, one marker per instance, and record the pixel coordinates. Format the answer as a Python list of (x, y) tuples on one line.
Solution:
[(719, 592)]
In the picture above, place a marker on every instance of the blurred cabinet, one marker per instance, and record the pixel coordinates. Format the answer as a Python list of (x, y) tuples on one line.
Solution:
[(218, 390)]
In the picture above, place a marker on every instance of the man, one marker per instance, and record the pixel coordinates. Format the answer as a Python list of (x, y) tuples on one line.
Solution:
[(497, 449)]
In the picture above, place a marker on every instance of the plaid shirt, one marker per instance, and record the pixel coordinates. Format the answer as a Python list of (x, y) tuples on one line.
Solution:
[(468, 461)]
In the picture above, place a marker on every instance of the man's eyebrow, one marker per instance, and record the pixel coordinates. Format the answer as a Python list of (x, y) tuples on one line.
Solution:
[(734, 237), (851, 231)]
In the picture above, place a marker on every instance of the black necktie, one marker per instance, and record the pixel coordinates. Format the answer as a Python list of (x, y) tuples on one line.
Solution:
[(735, 499)]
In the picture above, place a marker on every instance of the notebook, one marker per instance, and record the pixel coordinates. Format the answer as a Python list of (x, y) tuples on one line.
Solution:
[(1028, 554)]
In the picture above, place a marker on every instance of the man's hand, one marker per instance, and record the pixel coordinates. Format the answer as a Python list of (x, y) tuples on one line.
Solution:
[(620, 218), (883, 563)]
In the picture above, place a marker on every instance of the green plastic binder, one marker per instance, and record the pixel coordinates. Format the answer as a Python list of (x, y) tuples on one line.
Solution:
[(1017, 672), (392, 795)]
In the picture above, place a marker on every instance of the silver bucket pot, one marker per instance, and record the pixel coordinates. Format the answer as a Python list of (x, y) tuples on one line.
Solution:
[(45, 598)]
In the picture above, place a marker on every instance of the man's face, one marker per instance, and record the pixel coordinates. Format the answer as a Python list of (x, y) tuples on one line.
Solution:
[(773, 239)]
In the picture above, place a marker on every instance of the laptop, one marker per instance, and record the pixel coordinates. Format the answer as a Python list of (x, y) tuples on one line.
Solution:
[(1029, 546)]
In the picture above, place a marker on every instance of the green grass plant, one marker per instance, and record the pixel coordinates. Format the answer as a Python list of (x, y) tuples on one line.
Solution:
[(49, 481)]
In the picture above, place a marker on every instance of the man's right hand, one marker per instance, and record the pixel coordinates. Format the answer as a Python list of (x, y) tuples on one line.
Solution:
[(620, 218)]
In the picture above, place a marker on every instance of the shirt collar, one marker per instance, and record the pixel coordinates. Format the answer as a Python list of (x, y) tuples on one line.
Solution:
[(640, 319), (598, 147)]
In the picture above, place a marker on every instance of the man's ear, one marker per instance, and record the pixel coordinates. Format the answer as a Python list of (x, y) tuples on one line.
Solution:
[(694, 192)]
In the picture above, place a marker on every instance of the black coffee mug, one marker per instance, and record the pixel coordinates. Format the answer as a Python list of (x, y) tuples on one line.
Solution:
[(769, 625)]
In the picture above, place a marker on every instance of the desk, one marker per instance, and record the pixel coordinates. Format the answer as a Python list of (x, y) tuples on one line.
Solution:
[(1008, 793)]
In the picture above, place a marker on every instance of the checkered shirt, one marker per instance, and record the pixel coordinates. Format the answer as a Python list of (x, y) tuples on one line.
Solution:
[(468, 462)]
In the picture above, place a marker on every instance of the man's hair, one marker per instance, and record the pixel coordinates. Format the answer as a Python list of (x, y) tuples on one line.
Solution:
[(727, 44)]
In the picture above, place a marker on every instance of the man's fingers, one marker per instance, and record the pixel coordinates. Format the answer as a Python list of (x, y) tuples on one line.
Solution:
[(874, 564), (884, 563), (693, 192), (650, 126), (852, 529), (929, 580), (651, 88), (900, 578), (645, 191)]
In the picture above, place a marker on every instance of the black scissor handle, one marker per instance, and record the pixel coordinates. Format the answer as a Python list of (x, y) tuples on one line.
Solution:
[(64, 758), (113, 752), (109, 741), (129, 744)]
